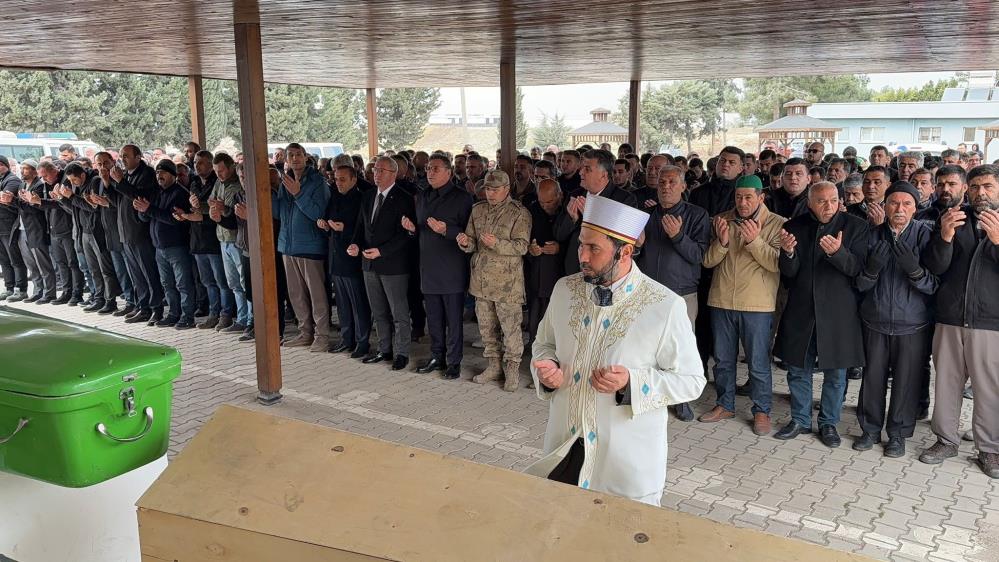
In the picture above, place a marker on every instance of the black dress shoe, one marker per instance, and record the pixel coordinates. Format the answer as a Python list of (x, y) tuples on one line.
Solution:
[(400, 362), (342, 348), (855, 373), (895, 447), (168, 322), (45, 300), (791, 430), (434, 364), (140, 316), (683, 412), (829, 436), (923, 413), (359, 353), (129, 308), (95, 306), (377, 358), (184, 325), (63, 299), (75, 300), (866, 442), (110, 308), (452, 372), (34, 298)]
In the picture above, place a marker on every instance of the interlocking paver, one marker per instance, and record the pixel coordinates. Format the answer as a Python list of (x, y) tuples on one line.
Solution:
[(897, 509)]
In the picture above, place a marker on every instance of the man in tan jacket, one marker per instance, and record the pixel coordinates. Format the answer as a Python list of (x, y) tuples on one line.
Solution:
[(497, 236), (744, 253)]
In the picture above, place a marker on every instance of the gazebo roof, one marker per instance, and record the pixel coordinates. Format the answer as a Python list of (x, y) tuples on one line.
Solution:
[(600, 128), (399, 43), (798, 123)]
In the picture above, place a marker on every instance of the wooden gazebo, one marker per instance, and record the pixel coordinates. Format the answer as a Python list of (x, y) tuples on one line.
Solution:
[(600, 130), (798, 125), (991, 133)]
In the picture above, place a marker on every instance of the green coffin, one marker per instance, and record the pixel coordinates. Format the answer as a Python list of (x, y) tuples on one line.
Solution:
[(78, 405)]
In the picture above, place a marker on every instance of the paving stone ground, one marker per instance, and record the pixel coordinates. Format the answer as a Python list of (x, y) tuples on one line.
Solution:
[(890, 509)]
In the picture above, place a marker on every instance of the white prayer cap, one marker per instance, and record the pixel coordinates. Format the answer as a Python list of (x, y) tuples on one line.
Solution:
[(614, 219)]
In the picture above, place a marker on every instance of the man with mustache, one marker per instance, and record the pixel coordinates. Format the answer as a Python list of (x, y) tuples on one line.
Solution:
[(897, 315), (964, 252), (614, 349)]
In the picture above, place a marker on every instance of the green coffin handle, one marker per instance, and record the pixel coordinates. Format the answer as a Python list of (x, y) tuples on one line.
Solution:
[(20, 425), (103, 430)]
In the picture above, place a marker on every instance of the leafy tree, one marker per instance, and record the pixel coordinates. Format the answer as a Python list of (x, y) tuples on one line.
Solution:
[(763, 97), (679, 112), (221, 111), (552, 130), (403, 113), (931, 91), (521, 123)]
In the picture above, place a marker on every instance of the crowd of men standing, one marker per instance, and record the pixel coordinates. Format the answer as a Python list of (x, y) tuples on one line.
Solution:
[(812, 261)]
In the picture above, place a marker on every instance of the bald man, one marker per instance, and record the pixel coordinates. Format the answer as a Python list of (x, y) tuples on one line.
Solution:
[(545, 261)]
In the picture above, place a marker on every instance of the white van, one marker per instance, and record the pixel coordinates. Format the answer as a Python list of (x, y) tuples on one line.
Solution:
[(23, 149), (317, 149)]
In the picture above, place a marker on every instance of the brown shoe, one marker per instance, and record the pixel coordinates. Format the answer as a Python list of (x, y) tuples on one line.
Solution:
[(716, 415), (761, 423)]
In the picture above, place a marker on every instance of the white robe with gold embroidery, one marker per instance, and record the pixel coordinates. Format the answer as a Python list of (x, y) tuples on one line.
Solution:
[(646, 330)]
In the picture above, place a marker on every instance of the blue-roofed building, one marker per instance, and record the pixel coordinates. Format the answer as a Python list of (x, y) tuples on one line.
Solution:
[(956, 119)]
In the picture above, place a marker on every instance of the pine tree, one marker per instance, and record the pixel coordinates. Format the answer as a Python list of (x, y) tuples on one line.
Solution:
[(403, 114), (552, 130)]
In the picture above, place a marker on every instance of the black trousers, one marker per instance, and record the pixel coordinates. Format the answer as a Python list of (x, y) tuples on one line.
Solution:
[(446, 327), (536, 307), (567, 471), (282, 287), (902, 357), (15, 272), (140, 260), (353, 311), (702, 324), (67, 265), (101, 267), (417, 312)]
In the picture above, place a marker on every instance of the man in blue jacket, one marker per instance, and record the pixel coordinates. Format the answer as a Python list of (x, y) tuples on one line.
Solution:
[(300, 202), (897, 322)]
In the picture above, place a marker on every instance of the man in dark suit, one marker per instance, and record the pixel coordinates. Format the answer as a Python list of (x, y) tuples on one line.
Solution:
[(595, 176), (35, 231), (441, 214), (544, 258), (384, 244), (351, 300)]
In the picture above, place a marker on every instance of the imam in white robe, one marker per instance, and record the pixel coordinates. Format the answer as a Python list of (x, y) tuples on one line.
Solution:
[(646, 330)]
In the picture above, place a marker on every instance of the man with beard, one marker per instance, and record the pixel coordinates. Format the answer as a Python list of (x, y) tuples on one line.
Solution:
[(853, 190), (523, 188), (951, 185), (60, 222), (571, 178), (621, 178), (814, 155), (922, 180), (35, 231), (822, 253), (897, 318), (964, 252), (675, 239), (909, 162), (744, 253), (613, 351)]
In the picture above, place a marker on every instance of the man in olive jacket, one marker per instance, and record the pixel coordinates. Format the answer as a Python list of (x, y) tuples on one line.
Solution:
[(822, 253), (743, 293)]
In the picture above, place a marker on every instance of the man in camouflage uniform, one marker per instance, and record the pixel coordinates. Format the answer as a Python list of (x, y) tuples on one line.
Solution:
[(497, 236)]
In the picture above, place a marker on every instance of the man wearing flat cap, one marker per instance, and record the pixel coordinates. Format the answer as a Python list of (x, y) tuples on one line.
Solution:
[(497, 235), (614, 349), (897, 322)]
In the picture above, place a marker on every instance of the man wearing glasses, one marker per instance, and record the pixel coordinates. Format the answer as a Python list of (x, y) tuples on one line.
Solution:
[(814, 154)]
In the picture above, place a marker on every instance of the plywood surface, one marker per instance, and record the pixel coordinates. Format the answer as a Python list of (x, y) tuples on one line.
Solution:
[(395, 43), (302, 482)]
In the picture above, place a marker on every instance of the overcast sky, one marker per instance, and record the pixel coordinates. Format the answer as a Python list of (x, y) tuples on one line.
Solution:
[(575, 101)]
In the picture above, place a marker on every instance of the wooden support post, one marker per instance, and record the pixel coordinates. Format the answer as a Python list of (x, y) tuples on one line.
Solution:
[(196, 97), (253, 123), (372, 108), (634, 113), (508, 116)]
